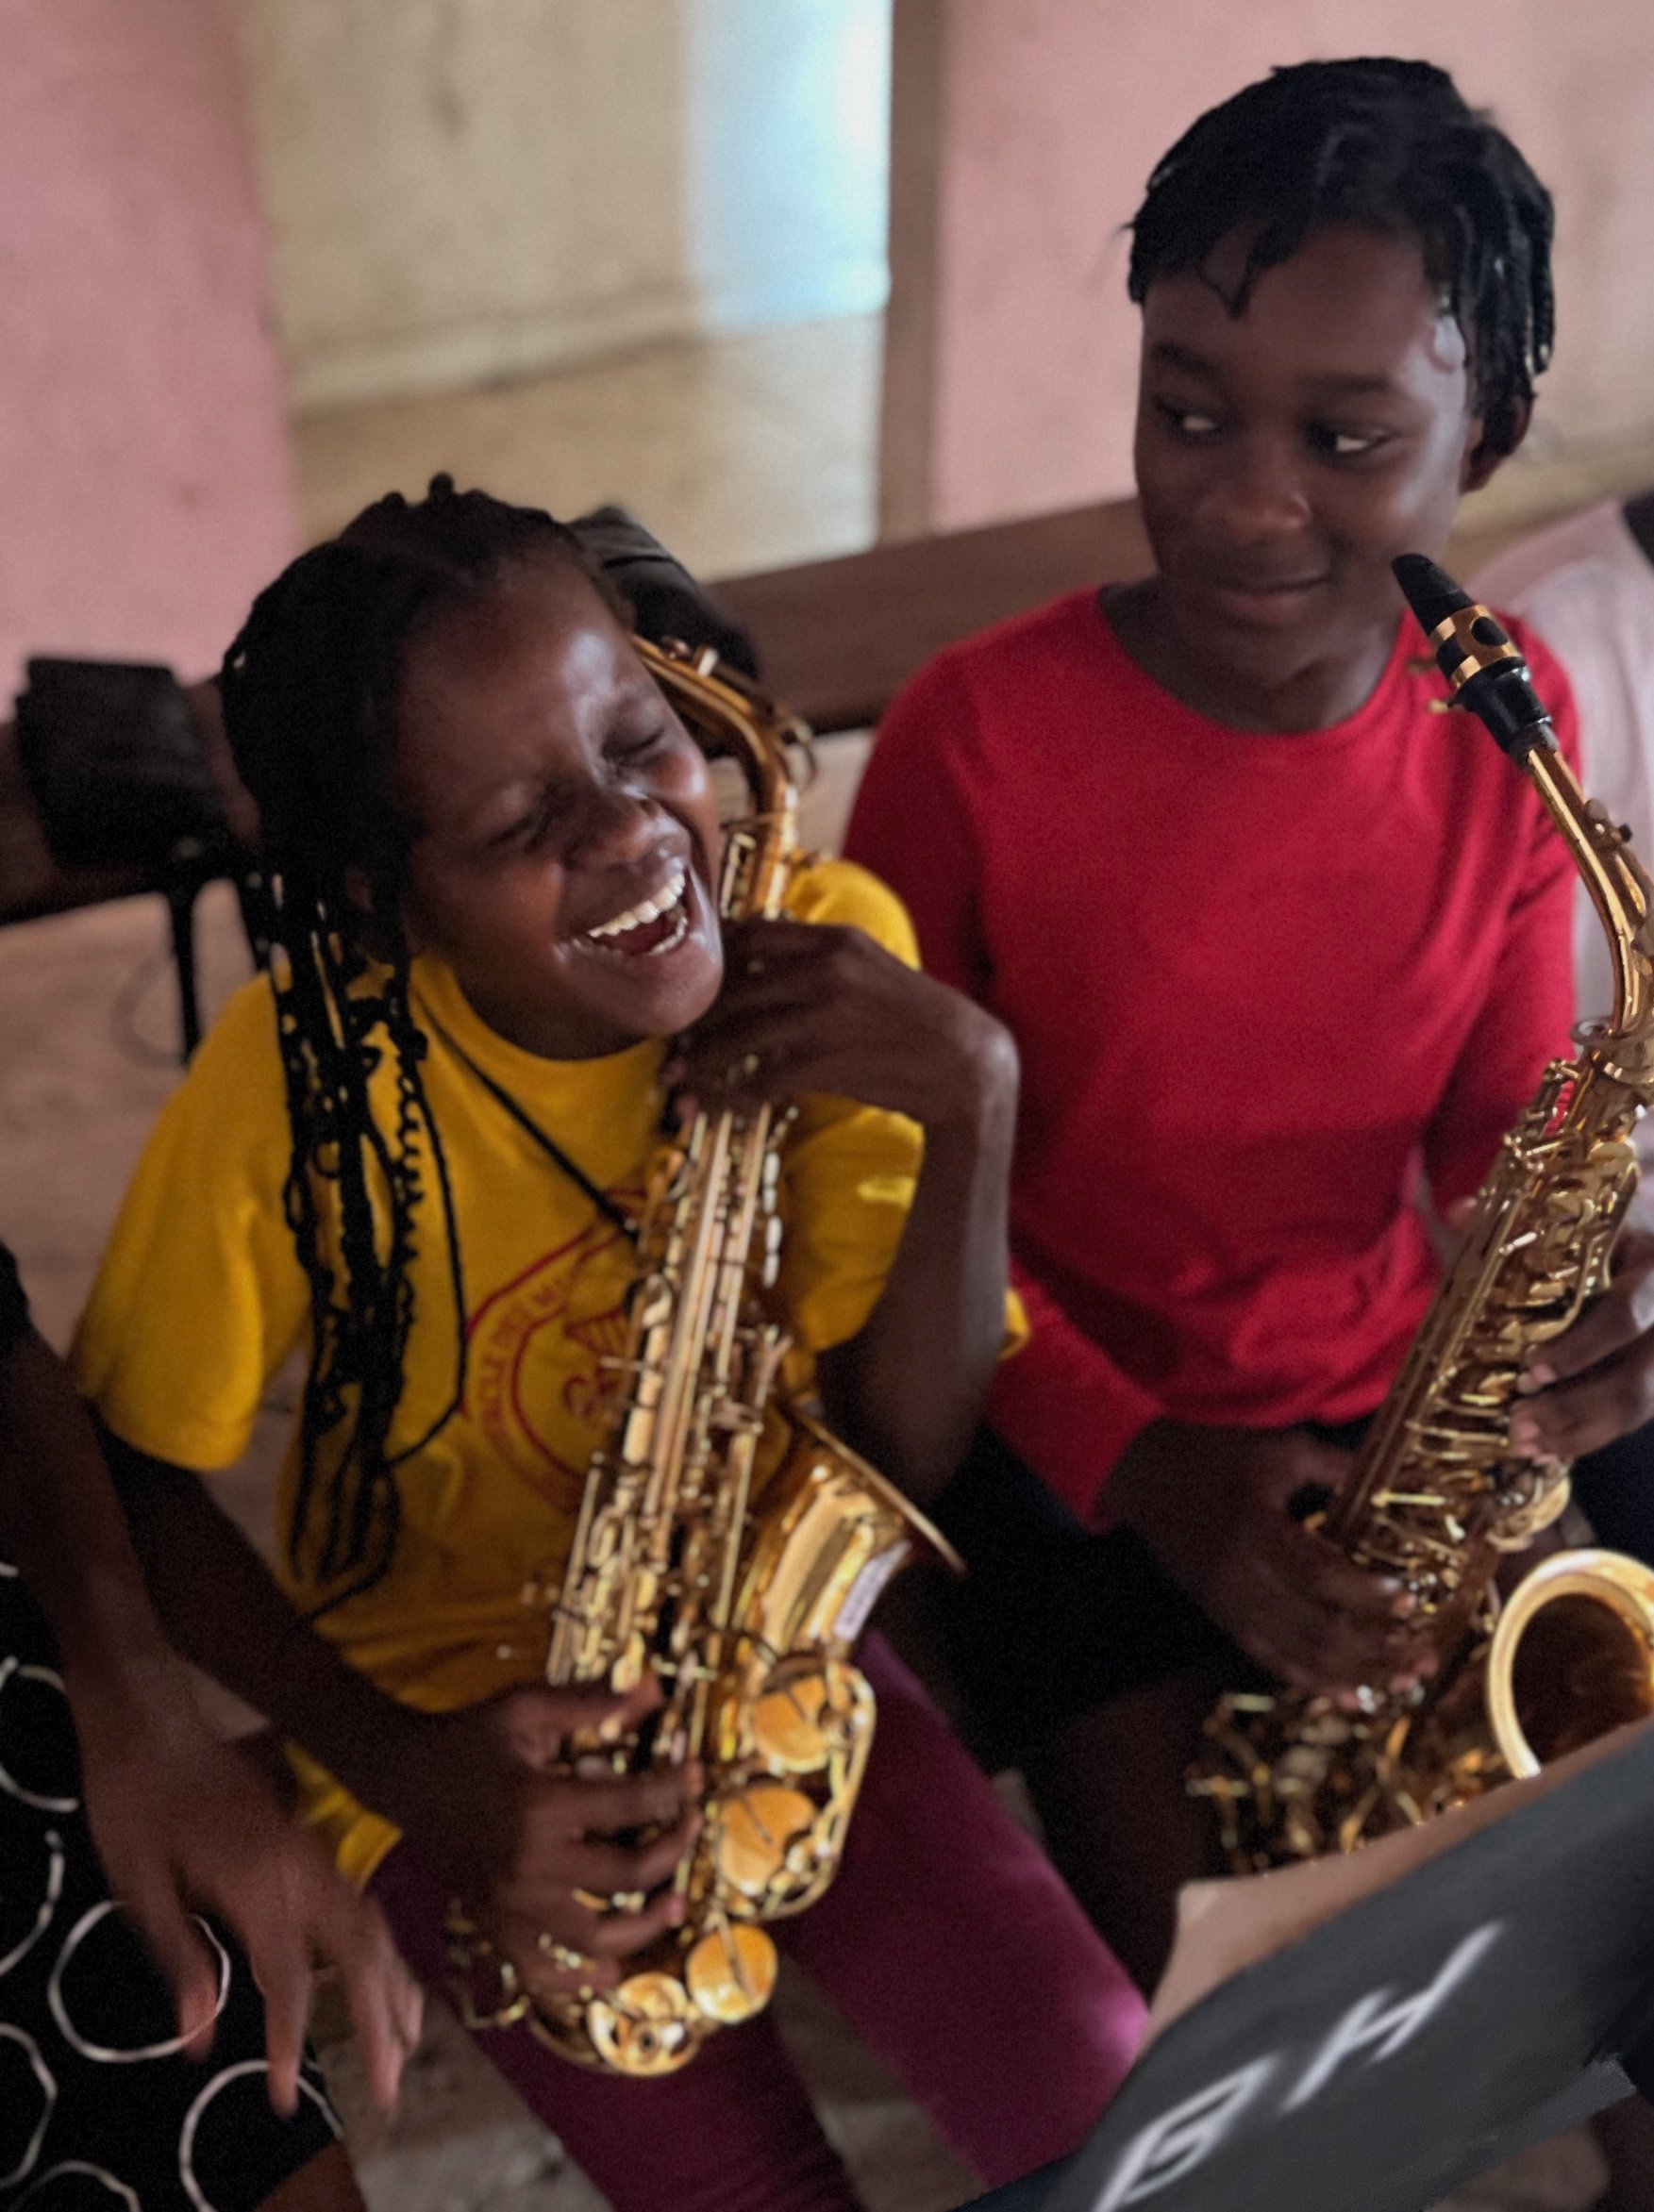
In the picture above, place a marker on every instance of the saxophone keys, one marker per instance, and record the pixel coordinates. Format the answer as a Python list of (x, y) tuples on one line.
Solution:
[(484, 1984), (756, 1829), (627, 1670), (646, 2028), (731, 1973), (788, 1724), (1353, 1822)]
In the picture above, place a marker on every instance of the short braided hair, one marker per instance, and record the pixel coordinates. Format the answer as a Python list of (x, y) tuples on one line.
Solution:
[(310, 692), (1385, 146)]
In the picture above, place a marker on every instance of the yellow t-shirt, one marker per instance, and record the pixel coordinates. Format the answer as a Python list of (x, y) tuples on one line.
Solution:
[(201, 1298)]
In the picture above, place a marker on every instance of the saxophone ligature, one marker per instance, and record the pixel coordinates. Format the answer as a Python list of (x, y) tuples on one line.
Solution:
[(1436, 1498), (746, 1609)]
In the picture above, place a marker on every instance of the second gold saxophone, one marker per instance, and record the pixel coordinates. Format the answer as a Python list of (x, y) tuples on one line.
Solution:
[(1436, 1498), (746, 1610)]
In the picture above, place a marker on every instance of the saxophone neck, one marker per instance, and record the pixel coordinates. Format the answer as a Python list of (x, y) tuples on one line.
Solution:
[(1488, 675), (733, 719), (1619, 886)]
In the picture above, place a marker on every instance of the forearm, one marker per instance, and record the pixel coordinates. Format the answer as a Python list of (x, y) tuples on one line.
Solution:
[(907, 1391), (61, 1525), (1064, 1407), (224, 1611)]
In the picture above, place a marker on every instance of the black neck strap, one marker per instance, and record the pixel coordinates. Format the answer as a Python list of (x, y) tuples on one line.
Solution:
[(548, 1144)]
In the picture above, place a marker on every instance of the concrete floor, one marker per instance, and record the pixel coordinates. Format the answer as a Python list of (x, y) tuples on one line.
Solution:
[(752, 452)]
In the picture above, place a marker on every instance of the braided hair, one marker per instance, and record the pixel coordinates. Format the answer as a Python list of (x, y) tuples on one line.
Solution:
[(310, 692), (1385, 145)]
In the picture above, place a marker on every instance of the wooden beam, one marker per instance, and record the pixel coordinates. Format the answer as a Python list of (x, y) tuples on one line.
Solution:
[(838, 639)]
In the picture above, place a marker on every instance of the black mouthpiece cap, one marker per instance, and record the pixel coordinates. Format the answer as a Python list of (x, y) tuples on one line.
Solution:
[(1429, 591), (1479, 657)]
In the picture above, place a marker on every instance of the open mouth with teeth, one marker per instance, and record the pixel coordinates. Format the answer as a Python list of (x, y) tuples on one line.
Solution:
[(654, 926)]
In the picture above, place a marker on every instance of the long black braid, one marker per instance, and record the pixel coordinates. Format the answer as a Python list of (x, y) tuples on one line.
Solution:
[(1385, 145), (310, 689)]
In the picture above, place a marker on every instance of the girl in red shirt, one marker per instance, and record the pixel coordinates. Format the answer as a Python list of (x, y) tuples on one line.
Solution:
[(1280, 950)]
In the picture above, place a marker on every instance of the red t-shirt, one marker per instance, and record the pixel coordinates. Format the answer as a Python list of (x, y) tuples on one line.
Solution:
[(1257, 981)]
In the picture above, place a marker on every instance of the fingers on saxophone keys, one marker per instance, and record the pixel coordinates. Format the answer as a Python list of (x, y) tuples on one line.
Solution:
[(1609, 1328), (548, 1964), (1577, 1417), (659, 1799), (613, 1934), (1527, 1437), (612, 1870), (1354, 1661)]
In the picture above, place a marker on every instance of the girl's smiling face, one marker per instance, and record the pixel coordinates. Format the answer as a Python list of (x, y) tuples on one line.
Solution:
[(565, 839), (1286, 455)]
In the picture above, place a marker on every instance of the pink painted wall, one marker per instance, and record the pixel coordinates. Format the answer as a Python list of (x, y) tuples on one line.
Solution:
[(1045, 121), (146, 480)]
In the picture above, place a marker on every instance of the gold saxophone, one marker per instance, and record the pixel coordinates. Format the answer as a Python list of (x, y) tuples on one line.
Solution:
[(748, 1615), (1435, 1497)]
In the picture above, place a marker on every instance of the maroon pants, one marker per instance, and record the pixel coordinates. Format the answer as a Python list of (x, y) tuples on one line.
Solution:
[(947, 1937)]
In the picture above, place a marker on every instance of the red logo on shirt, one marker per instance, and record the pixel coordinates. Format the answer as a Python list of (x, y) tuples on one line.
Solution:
[(539, 1383)]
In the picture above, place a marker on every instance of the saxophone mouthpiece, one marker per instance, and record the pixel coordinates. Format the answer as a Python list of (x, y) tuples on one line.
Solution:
[(1478, 655), (1429, 591)]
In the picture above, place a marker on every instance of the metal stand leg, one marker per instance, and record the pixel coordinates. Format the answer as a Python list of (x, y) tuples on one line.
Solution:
[(180, 897)]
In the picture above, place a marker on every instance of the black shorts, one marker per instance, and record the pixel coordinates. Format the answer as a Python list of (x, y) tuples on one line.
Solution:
[(99, 2112), (1052, 1620)]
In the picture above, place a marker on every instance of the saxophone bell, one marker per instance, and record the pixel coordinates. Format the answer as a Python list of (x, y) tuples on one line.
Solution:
[(1572, 1657)]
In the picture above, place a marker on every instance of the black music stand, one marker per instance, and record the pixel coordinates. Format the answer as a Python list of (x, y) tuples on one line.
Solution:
[(1473, 2007)]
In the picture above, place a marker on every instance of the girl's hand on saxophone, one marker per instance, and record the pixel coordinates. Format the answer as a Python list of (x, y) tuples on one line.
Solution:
[(815, 1008), (538, 1835), (809, 1009), (493, 1797), (1596, 1382), (1224, 1510)]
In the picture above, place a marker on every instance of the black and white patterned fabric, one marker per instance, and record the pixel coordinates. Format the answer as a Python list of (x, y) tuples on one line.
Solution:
[(99, 2109)]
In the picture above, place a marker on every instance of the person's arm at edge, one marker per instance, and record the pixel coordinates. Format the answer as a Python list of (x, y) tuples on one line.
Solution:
[(224, 1609), (906, 1389), (132, 1703), (61, 1526), (1065, 1407)]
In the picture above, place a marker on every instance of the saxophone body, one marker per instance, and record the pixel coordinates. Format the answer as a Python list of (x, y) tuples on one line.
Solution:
[(1436, 1498), (747, 1612)]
